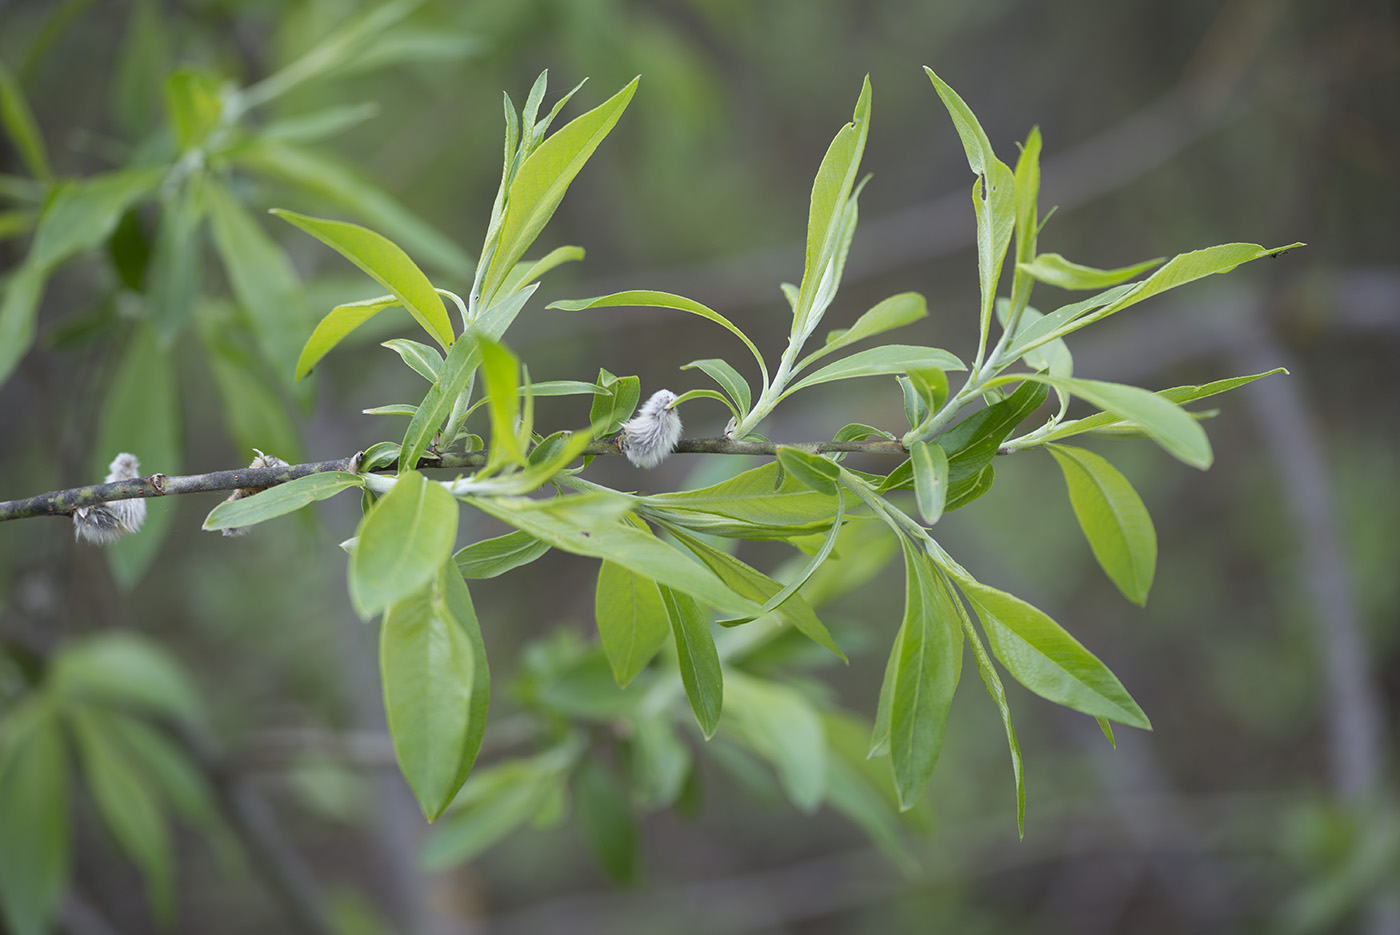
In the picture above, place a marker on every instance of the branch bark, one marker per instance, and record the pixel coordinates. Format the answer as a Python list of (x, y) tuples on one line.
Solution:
[(64, 502)]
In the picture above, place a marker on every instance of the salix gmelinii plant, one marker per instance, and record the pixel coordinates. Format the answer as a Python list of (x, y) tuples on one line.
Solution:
[(662, 582)]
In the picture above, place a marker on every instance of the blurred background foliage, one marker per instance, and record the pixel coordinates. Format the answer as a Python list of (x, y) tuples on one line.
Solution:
[(1267, 656)]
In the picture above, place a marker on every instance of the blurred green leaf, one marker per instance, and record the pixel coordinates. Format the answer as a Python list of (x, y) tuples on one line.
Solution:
[(879, 361), (312, 172), (192, 100), (1113, 518), (659, 763), (319, 124), (128, 807), (651, 299), (141, 415), (82, 214), (541, 181), (631, 620), (783, 727), (125, 670), (23, 130), (143, 56), (1046, 659), (607, 821), (280, 500), (491, 557), (1055, 270), (493, 803), (254, 413), (18, 308), (697, 657), (170, 770), (387, 264), (34, 835), (262, 279), (436, 685), (404, 540), (177, 259), (930, 463)]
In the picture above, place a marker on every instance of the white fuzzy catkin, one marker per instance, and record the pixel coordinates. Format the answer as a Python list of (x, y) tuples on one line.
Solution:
[(261, 461), (648, 437), (105, 523)]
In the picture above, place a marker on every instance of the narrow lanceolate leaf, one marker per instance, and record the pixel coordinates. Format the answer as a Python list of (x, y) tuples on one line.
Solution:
[(436, 686), (20, 126), (894, 312), (541, 181), (1113, 518), (457, 368), (34, 843), (974, 139), (930, 464), (501, 370), (631, 620), (342, 320), (280, 500), (784, 728), (723, 373), (878, 361), (421, 359), (926, 673), (491, 557), (653, 299), (607, 820), (1055, 270), (1160, 419), (992, 682), (404, 540), (387, 264), (127, 804), (1188, 267), (994, 202), (697, 657), (1046, 659)]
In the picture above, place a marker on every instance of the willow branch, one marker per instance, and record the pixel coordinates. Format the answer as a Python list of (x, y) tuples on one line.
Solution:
[(64, 502)]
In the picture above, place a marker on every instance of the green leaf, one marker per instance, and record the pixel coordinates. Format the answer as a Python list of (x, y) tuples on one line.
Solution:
[(141, 415), (83, 214), (319, 124), (501, 370), (930, 464), (262, 279), (254, 412), (281, 499), (123, 670), (404, 539), (563, 388), (878, 361), (1188, 267), (342, 320), (127, 805), (1055, 270), (493, 803), (729, 380), (527, 272), (169, 769), (753, 584), (974, 139), (317, 174), (574, 524), (609, 412), (652, 299), (1163, 421), (1113, 518), (811, 469), (994, 202), (1046, 659), (34, 835), (894, 312), (491, 557), (659, 762), (20, 125), (607, 821), (783, 727), (386, 263), (854, 787), (422, 359), (1027, 220), (757, 498), (23, 291), (192, 99), (929, 663), (991, 681), (631, 620), (1177, 394), (177, 259), (1051, 326), (697, 657), (541, 181), (831, 216), (457, 369), (436, 685)]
